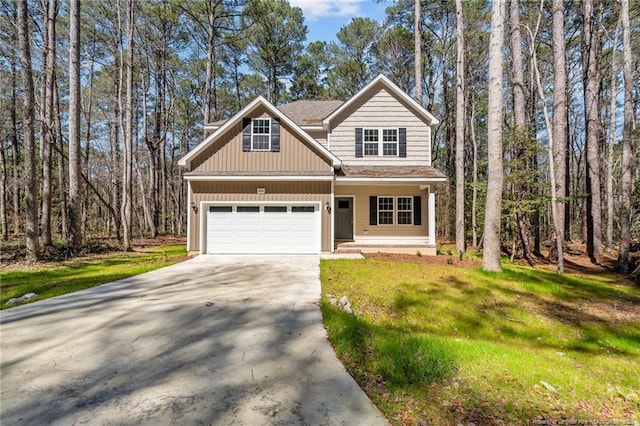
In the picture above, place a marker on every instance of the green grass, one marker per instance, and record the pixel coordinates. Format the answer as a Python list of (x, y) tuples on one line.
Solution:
[(53, 279), (448, 344)]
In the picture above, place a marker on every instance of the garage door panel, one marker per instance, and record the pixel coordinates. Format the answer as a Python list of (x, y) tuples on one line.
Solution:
[(272, 230)]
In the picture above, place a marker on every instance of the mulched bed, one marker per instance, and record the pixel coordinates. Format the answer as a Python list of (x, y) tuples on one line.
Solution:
[(440, 259)]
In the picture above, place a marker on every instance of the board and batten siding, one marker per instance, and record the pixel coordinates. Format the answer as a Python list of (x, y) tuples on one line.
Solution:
[(226, 155), (361, 196), (232, 192), (380, 109)]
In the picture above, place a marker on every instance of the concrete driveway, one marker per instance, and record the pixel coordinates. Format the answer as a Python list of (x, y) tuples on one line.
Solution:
[(213, 340)]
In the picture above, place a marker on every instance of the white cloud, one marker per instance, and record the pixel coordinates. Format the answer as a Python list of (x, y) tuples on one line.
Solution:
[(315, 9)]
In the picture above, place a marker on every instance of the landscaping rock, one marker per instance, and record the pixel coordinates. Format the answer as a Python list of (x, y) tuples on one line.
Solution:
[(23, 298), (345, 305)]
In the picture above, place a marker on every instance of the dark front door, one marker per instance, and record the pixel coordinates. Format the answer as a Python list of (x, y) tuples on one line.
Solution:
[(344, 219)]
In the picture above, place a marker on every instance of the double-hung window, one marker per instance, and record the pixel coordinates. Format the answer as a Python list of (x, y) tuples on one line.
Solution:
[(261, 134), (390, 142), (404, 207), (380, 142), (385, 210), (371, 141)]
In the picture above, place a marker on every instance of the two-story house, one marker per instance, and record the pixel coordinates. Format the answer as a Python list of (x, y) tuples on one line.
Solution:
[(316, 176)]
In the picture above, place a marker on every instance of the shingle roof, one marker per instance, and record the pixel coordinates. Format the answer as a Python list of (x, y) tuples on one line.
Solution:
[(309, 112), (391, 172), (303, 112)]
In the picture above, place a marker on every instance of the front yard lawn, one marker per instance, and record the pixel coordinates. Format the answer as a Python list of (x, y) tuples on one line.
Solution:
[(56, 278), (443, 344)]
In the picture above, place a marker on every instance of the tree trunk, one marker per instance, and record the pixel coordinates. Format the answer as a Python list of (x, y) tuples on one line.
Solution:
[(627, 147), (493, 210), (48, 124), (474, 195), (519, 116), (127, 184), (62, 169), (28, 108), (460, 112), (559, 121), (75, 189), (556, 208), (591, 83), (15, 156), (417, 37), (4, 226), (612, 139)]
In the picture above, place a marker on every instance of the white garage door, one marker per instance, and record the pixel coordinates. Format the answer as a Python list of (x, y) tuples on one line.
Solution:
[(247, 229)]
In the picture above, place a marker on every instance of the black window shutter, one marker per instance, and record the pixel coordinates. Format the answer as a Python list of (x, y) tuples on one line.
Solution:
[(373, 210), (417, 210), (402, 142), (246, 134), (275, 134), (358, 141)]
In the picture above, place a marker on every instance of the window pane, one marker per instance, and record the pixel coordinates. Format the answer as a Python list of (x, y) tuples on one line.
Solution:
[(371, 135), (404, 203), (389, 149), (371, 148), (385, 203), (248, 209), (343, 204), (405, 218), (303, 209), (261, 126), (275, 209), (385, 218), (220, 209), (260, 142), (390, 135)]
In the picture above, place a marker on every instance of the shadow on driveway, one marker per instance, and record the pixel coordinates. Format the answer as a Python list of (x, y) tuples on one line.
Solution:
[(214, 340)]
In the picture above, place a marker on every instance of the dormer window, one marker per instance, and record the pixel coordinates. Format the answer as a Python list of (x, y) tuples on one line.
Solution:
[(261, 134)]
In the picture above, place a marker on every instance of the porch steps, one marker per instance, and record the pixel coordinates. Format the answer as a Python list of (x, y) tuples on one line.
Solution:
[(351, 247)]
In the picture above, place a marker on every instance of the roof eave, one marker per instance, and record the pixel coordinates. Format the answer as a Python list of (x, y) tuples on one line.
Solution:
[(433, 121), (186, 160)]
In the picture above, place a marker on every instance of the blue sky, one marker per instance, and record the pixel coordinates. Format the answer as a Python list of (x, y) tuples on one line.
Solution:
[(325, 17)]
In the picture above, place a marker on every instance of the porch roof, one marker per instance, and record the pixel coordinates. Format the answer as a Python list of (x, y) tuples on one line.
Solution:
[(381, 172)]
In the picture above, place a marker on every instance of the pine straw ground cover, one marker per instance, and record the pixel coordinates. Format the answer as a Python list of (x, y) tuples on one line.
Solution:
[(54, 278), (437, 342)]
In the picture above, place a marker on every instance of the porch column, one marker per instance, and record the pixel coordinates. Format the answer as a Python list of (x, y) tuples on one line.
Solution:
[(432, 216)]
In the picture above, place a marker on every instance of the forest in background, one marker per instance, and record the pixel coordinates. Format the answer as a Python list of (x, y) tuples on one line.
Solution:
[(99, 100)]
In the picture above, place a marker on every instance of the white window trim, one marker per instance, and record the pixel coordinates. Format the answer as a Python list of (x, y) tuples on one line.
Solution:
[(394, 210), (261, 134), (381, 141)]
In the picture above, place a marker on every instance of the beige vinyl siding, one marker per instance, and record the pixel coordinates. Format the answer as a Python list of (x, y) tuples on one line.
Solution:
[(319, 135), (318, 192), (380, 109), (226, 155), (361, 196)]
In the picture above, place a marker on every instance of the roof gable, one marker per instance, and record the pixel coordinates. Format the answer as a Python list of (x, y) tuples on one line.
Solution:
[(389, 85), (274, 112)]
